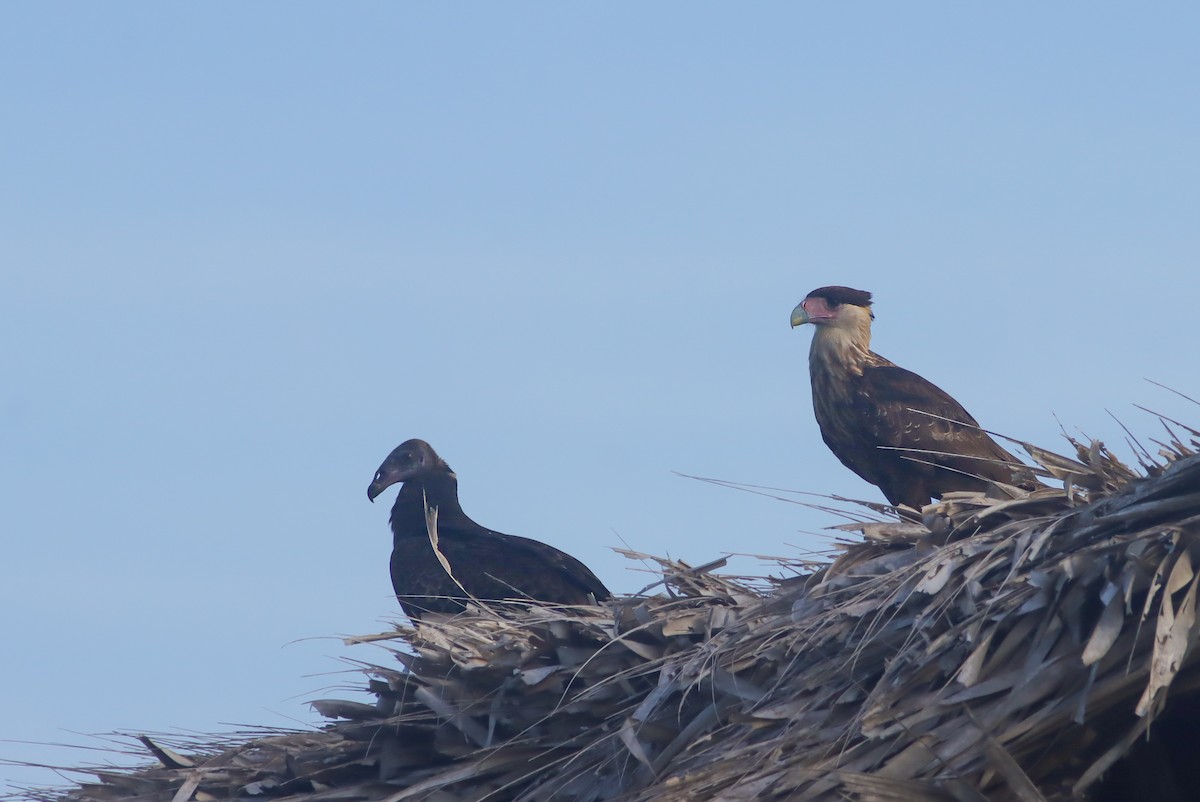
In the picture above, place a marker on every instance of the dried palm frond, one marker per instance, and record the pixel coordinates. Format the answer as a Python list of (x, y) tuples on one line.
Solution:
[(1015, 649)]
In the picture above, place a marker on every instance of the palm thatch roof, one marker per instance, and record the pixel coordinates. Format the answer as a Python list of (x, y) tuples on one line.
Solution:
[(1013, 646)]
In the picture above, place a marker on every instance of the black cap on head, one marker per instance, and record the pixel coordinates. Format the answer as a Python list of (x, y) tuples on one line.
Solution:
[(836, 296)]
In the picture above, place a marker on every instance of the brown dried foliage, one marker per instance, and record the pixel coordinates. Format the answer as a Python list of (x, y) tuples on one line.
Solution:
[(1010, 647)]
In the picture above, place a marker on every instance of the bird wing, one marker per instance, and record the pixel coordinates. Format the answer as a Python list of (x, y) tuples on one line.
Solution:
[(489, 565), (525, 556), (906, 411)]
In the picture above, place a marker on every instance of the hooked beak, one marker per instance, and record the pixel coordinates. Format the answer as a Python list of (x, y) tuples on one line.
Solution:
[(799, 315), (384, 479)]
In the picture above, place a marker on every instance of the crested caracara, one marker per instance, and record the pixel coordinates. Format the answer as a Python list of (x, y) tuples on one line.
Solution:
[(887, 424), (479, 564)]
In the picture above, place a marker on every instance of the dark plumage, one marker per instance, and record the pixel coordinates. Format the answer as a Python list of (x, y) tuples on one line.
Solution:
[(868, 407), (489, 566)]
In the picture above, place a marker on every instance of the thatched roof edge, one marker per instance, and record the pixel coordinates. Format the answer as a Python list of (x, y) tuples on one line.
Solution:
[(1009, 646)]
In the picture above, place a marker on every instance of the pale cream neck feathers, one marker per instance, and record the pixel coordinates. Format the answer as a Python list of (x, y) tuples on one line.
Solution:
[(846, 340)]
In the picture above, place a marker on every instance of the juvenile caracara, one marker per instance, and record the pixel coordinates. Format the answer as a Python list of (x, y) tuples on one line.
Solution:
[(480, 563), (871, 412)]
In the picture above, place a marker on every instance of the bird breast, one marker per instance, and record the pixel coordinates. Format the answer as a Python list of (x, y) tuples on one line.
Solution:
[(833, 397)]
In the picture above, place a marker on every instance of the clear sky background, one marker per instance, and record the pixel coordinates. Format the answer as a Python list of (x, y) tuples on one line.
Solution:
[(247, 249)]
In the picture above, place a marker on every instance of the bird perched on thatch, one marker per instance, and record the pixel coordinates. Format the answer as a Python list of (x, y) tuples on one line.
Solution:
[(887, 424), (441, 558)]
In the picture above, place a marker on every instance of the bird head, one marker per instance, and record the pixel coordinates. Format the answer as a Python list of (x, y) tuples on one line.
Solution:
[(410, 459), (834, 306)]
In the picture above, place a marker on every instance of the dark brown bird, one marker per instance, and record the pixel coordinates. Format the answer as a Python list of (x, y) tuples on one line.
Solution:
[(887, 424), (480, 563)]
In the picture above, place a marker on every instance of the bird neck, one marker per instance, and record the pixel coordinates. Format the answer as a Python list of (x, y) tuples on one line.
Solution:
[(841, 348), (438, 492)]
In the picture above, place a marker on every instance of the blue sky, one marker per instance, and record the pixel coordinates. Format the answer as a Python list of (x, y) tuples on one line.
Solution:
[(246, 249)]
